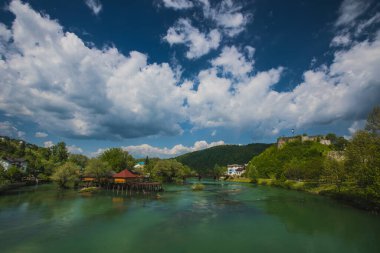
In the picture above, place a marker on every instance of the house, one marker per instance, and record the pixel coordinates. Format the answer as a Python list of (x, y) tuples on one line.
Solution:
[(124, 176), (18, 162), (318, 138), (234, 170)]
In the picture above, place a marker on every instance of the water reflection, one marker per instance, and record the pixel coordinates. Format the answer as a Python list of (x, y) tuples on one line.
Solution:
[(225, 217)]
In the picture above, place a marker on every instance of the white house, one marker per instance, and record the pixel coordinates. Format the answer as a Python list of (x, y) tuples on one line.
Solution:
[(18, 162), (139, 165), (235, 170)]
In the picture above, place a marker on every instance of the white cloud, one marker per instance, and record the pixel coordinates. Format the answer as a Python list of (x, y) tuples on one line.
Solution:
[(341, 40), (74, 149), (52, 78), (350, 10), (232, 61), (345, 90), (178, 4), (41, 135), (227, 15), (48, 144), (356, 125), (148, 150), (7, 129), (94, 5), (213, 133), (198, 43)]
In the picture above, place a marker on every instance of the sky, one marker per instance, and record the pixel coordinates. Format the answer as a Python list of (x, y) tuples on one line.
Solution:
[(166, 77)]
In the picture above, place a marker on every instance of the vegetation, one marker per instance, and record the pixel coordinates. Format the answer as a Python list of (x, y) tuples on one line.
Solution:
[(348, 170), (117, 159), (97, 169), (198, 187), (169, 171), (65, 174), (204, 161)]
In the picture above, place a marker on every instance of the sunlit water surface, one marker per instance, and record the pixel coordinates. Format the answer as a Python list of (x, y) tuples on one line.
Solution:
[(224, 217)]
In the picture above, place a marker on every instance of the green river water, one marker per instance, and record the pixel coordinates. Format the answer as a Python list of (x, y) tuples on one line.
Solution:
[(225, 217)]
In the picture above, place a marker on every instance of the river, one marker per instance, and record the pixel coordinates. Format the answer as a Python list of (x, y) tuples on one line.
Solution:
[(225, 217)]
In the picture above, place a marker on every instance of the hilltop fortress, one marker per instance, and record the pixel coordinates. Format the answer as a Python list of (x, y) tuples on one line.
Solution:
[(281, 141)]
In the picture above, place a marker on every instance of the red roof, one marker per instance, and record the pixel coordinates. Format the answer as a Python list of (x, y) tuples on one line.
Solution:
[(125, 174)]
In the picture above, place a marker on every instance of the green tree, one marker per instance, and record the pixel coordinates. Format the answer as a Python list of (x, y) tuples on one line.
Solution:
[(59, 152), (118, 159), (14, 174), (363, 161), (373, 121), (170, 171), (65, 174), (97, 168), (78, 159), (334, 172)]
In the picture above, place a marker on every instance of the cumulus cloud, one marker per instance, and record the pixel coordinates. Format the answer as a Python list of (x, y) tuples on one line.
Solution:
[(7, 129), (94, 5), (198, 43), (178, 4), (345, 90), (233, 62), (74, 149), (52, 78), (48, 144), (227, 15), (350, 10), (148, 150), (40, 135)]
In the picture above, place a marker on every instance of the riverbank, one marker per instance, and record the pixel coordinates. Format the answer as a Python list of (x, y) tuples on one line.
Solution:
[(358, 199)]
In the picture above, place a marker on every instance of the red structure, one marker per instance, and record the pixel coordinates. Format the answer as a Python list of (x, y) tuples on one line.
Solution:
[(125, 175)]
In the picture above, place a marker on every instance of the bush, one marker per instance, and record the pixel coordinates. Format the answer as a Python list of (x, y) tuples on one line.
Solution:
[(198, 187)]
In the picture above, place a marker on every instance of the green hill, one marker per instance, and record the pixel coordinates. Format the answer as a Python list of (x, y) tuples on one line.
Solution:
[(203, 161)]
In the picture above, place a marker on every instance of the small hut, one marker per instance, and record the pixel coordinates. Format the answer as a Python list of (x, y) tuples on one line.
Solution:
[(125, 176)]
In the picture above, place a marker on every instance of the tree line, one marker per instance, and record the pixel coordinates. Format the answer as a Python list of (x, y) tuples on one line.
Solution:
[(351, 166)]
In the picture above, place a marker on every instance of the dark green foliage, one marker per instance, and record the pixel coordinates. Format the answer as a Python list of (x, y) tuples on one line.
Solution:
[(169, 171), (78, 159), (59, 152), (373, 121), (117, 159), (203, 161), (296, 160)]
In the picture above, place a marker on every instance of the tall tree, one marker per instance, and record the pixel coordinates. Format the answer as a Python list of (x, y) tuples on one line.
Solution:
[(65, 174), (117, 159), (363, 160), (373, 121), (59, 152), (97, 168)]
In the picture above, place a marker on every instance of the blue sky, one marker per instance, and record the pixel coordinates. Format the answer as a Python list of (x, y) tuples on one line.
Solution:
[(165, 77)]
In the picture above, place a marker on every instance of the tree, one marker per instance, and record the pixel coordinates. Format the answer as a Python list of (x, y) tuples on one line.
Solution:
[(59, 152), (78, 159), (363, 160), (118, 159), (373, 121), (334, 172), (66, 173), (97, 168), (219, 171), (170, 171), (14, 174)]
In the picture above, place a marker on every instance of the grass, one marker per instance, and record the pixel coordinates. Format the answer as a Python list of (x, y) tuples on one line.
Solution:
[(89, 189), (240, 180), (198, 187)]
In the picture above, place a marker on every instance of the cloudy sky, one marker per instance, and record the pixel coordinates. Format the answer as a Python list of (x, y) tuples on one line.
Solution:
[(165, 77)]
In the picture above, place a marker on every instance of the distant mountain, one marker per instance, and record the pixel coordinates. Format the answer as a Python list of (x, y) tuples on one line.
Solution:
[(203, 161)]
